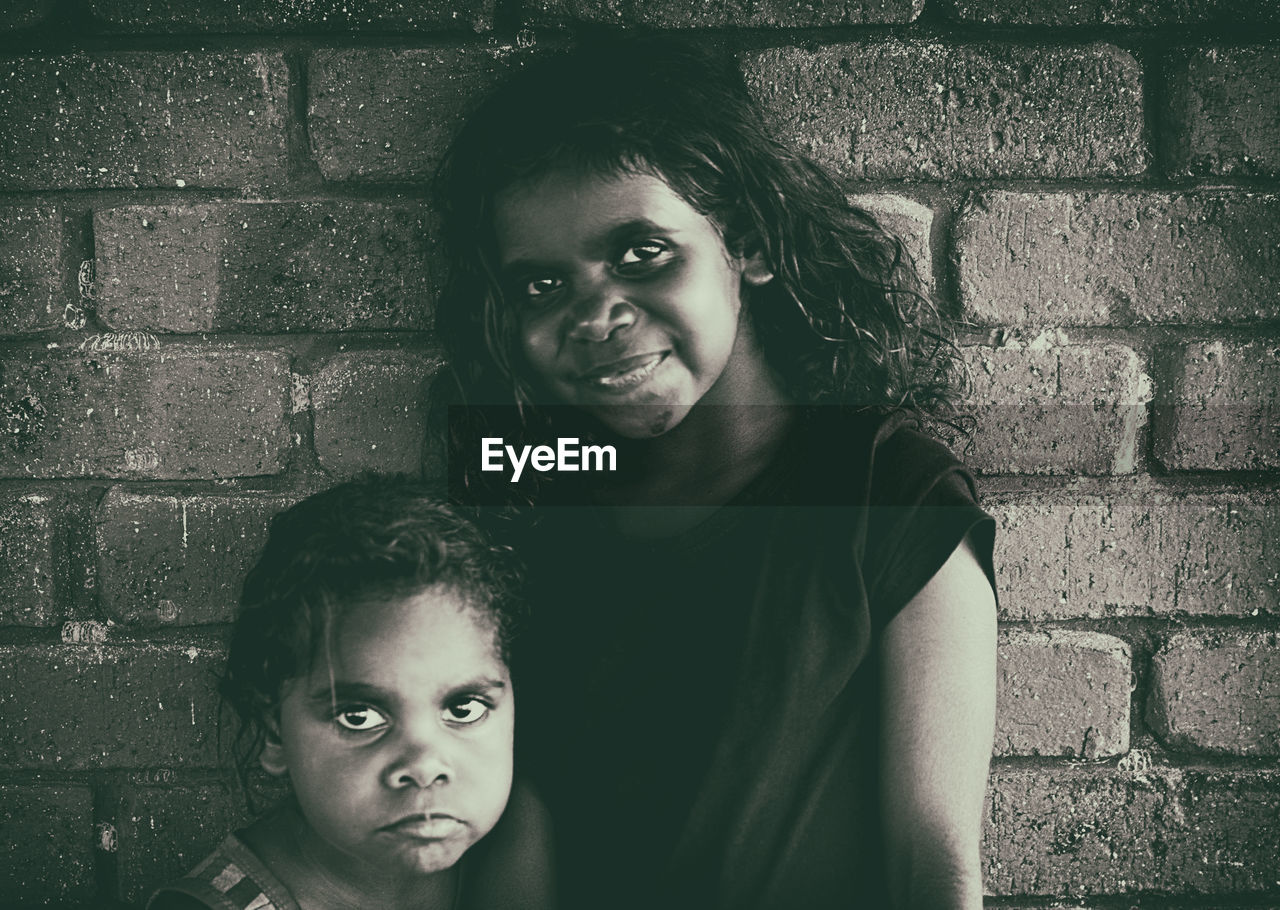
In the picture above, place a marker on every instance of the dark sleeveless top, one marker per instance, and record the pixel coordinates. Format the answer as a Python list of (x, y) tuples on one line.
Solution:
[(701, 712)]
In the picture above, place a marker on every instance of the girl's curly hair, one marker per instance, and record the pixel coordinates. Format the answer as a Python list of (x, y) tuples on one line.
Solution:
[(845, 319)]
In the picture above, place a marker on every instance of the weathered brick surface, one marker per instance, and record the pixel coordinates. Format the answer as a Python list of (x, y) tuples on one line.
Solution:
[(165, 831), (1218, 692), (30, 273), (28, 529), (264, 267), (734, 13), (26, 13), (1219, 409), (1119, 258), (898, 109), (1061, 832), (166, 411), (107, 706), (1072, 409), (1062, 692), (1156, 554), (371, 411), (389, 115), (1116, 12), (178, 559), (909, 220), (290, 15), (1224, 107), (142, 119), (46, 845)]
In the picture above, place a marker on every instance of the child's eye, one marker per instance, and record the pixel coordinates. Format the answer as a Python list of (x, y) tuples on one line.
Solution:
[(540, 287), (360, 718), (466, 711), (649, 252)]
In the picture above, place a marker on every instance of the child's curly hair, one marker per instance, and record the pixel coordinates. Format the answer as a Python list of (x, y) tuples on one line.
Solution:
[(367, 539), (845, 319)]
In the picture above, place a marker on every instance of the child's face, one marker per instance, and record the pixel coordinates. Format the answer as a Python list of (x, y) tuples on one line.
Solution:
[(626, 300), (398, 743)]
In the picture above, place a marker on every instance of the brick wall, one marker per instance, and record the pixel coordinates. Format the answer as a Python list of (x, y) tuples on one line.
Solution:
[(216, 272)]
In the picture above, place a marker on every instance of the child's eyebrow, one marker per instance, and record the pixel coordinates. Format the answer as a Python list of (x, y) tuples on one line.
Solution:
[(479, 684), (615, 235), (342, 690)]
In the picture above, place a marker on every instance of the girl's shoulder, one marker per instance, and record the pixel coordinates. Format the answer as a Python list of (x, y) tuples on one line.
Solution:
[(230, 878), (845, 456)]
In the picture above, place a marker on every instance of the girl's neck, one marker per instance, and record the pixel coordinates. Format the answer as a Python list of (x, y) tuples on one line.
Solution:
[(320, 879)]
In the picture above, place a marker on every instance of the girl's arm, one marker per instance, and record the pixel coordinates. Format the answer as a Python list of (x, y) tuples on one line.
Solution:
[(938, 665), (516, 859)]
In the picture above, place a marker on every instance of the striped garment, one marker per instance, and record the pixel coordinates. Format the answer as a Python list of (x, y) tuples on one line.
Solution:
[(232, 878)]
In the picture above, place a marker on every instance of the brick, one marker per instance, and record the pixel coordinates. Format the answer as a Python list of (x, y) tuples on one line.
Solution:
[(143, 119), (76, 707), (145, 412), (734, 14), (26, 13), (1119, 258), (46, 845), (178, 559), (30, 269), (1219, 408), (28, 537), (166, 831), (1077, 832), (265, 267), (1218, 692), (294, 15), (1116, 12), (378, 114), (1062, 692), (1070, 409), (910, 221), (1224, 111), (896, 109), (1074, 558), (371, 412)]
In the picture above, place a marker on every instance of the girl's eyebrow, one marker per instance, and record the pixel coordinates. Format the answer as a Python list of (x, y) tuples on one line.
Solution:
[(616, 234), (479, 684), (343, 690)]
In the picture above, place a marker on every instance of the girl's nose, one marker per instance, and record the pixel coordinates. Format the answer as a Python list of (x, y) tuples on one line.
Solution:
[(418, 764), (598, 315)]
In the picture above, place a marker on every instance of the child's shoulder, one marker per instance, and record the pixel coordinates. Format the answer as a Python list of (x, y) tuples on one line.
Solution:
[(865, 457), (230, 878)]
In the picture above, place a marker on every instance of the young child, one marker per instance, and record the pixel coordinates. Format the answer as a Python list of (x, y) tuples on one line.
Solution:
[(762, 658), (368, 667)]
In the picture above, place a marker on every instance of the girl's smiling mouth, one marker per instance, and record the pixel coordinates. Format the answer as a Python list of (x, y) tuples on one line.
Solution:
[(625, 374)]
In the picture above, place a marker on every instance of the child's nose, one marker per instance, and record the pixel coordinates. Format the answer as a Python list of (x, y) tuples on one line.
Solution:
[(600, 312), (419, 763)]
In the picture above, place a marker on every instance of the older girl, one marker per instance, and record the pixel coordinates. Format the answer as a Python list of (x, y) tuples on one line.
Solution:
[(762, 663)]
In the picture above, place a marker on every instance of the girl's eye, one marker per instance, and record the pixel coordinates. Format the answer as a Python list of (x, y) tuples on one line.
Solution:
[(540, 287), (360, 719), (466, 711), (648, 252)]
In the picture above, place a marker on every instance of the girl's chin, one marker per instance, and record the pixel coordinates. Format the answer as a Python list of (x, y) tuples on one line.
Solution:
[(641, 421)]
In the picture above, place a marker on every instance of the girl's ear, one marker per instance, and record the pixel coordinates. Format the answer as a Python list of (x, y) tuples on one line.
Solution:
[(755, 271), (272, 757)]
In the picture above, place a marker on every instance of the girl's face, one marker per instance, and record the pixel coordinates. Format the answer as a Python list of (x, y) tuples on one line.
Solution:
[(398, 743), (627, 302)]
